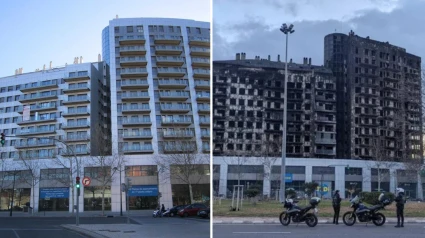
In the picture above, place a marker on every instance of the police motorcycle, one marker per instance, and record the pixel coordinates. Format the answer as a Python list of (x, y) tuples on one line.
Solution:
[(366, 214), (297, 214)]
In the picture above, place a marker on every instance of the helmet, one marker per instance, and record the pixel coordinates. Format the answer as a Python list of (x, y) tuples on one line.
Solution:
[(399, 190)]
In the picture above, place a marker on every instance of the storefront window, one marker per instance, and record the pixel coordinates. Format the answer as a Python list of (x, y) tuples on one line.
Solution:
[(93, 198), (53, 199), (21, 197), (201, 193)]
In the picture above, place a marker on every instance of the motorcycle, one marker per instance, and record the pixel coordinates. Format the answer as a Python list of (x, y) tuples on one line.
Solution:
[(166, 213), (297, 214), (366, 214), (157, 213)]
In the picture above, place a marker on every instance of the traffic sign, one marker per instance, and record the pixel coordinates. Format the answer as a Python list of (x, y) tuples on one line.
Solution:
[(86, 181)]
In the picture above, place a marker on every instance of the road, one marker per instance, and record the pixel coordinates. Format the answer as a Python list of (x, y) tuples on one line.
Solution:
[(416, 230), (46, 227)]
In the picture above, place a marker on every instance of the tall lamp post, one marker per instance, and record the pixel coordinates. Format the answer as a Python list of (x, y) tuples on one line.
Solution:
[(285, 29), (122, 188), (13, 191)]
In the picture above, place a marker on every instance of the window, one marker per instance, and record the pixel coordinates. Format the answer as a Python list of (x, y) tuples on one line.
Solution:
[(139, 28), (129, 29), (198, 30), (117, 29)]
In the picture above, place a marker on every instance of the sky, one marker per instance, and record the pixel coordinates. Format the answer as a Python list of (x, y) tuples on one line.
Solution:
[(254, 27), (33, 33)]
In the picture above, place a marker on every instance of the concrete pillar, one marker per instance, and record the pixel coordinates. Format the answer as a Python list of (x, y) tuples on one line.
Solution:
[(393, 180), (223, 179), (340, 180), (367, 179), (308, 173), (266, 181), (420, 190)]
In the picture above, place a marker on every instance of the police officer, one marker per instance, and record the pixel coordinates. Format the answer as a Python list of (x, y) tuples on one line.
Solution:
[(336, 203), (400, 201)]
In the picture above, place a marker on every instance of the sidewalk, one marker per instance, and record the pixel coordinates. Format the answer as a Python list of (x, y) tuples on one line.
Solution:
[(68, 214), (270, 220)]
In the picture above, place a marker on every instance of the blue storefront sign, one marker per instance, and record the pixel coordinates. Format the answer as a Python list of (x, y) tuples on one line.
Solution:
[(288, 178), (54, 193), (324, 189), (143, 191)]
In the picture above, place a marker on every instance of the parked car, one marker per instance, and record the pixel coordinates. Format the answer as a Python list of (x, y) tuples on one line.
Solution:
[(204, 213), (176, 209), (191, 210)]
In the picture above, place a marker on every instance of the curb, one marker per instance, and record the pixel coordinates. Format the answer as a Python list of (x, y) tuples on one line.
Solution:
[(82, 231), (323, 221)]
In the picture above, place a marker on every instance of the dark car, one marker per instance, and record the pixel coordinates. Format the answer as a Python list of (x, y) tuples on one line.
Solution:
[(192, 209), (204, 213), (176, 209)]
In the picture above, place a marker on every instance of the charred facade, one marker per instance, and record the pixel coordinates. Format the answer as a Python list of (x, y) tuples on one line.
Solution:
[(379, 98), (248, 99)]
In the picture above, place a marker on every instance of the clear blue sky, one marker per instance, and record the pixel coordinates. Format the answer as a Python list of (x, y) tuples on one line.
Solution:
[(34, 33)]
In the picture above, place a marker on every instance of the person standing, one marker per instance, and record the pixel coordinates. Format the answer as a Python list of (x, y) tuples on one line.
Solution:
[(400, 201), (336, 203)]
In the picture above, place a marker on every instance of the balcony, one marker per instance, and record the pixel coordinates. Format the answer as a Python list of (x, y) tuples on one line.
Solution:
[(171, 72), (39, 107), (169, 61), (75, 88), (135, 97), (174, 96), (206, 148), (134, 84), (200, 51), (33, 144), (177, 121), (202, 84), (325, 109), (76, 113), (76, 77), (137, 122), (76, 138), (201, 73), (134, 72), (199, 41), (205, 134), (325, 152), (172, 83), (327, 141), (168, 50), (175, 108), (169, 148), (38, 97), (204, 109), (76, 100), (204, 121), (75, 125), (36, 131), (132, 50), (201, 62), (145, 149), (136, 110), (132, 40), (172, 40), (202, 97), (75, 152), (178, 134), (325, 120), (133, 61), (137, 135), (37, 120), (39, 86)]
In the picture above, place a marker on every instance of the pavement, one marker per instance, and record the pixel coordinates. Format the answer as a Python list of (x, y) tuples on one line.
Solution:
[(275, 220), (411, 230), (69, 214)]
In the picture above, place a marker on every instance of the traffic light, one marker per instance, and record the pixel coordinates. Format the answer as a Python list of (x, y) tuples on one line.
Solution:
[(3, 139), (77, 182)]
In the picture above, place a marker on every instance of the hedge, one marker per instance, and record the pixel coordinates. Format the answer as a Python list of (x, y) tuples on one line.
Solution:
[(373, 197)]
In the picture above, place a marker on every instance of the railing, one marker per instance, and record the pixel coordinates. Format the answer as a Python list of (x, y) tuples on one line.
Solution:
[(202, 83), (138, 37), (134, 82), (139, 120), (76, 124), (170, 58), (137, 148), (204, 120), (76, 137), (39, 84), (39, 106), (35, 143), (175, 107), (132, 59), (135, 95), (137, 134), (167, 37), (35, 131), (132, 48), (133, 70), (78, 86), (205, 133), (201, 71), (78, 98), (197, 38), (77, 111), (77, 75), (173, 82), (199, 49), (140, 107), (174, 94), (171, 70), (177, 120), (39, 95), (204, 108), (179, 133), (200, 60), (168, 47)]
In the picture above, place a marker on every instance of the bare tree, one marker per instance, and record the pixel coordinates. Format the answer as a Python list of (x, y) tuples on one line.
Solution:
[(180, 161), (32, 165), (103, 160)]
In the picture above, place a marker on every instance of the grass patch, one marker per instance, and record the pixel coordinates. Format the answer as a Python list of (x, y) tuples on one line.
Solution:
[(274, 208)]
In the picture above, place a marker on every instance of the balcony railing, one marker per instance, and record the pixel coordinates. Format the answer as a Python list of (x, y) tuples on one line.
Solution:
[(78, 98), (133, 121), (39, 95), (176, 120), (200, 83), (39, 85), (171, 71), (205, 134), (40, 119), (134, 70), (169, 59), (135, 108), (178, 134), (26, 144), (174, 94), (36, 131), (75, 124), (168, 48), (137, 134), (138, 95), (204, 121), (135, 149), (76, 138), (132, 49), (200, 50), (175, 107)]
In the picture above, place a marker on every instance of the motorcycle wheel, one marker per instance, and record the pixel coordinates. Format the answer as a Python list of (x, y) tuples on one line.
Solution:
[(284, 219), (311, 220), (349, 218), (379, 219)]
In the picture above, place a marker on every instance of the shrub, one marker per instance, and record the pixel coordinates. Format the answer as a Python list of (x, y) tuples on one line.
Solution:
[(373, 197), (253, 191)]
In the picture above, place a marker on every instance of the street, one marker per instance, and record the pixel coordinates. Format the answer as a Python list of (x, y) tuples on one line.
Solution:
[(415, 230), (46, 227)]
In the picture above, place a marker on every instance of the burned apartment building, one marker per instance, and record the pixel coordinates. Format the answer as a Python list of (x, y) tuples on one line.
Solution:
[(379, 98), (248, 98)]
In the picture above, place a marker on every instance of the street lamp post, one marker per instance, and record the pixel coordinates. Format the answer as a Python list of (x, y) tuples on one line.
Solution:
[(13, 192), (121, 188), (285, 30)]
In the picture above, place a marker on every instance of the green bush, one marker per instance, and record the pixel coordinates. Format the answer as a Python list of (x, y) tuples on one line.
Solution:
[(253, 191), (373, 197)]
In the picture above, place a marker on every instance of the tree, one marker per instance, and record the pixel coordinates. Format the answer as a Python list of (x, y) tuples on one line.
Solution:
[(32, 165), (310, 188), (103, 160), (181, 161)]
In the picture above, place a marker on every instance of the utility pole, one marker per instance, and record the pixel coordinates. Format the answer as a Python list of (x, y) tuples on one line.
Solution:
[(128, 205)]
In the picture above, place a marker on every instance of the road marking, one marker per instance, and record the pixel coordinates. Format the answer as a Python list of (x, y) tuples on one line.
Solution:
[(29, 229), (16, 233), (266, 232)]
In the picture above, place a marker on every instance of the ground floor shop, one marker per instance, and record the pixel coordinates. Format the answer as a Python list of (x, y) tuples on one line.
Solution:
[(350, 177)]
